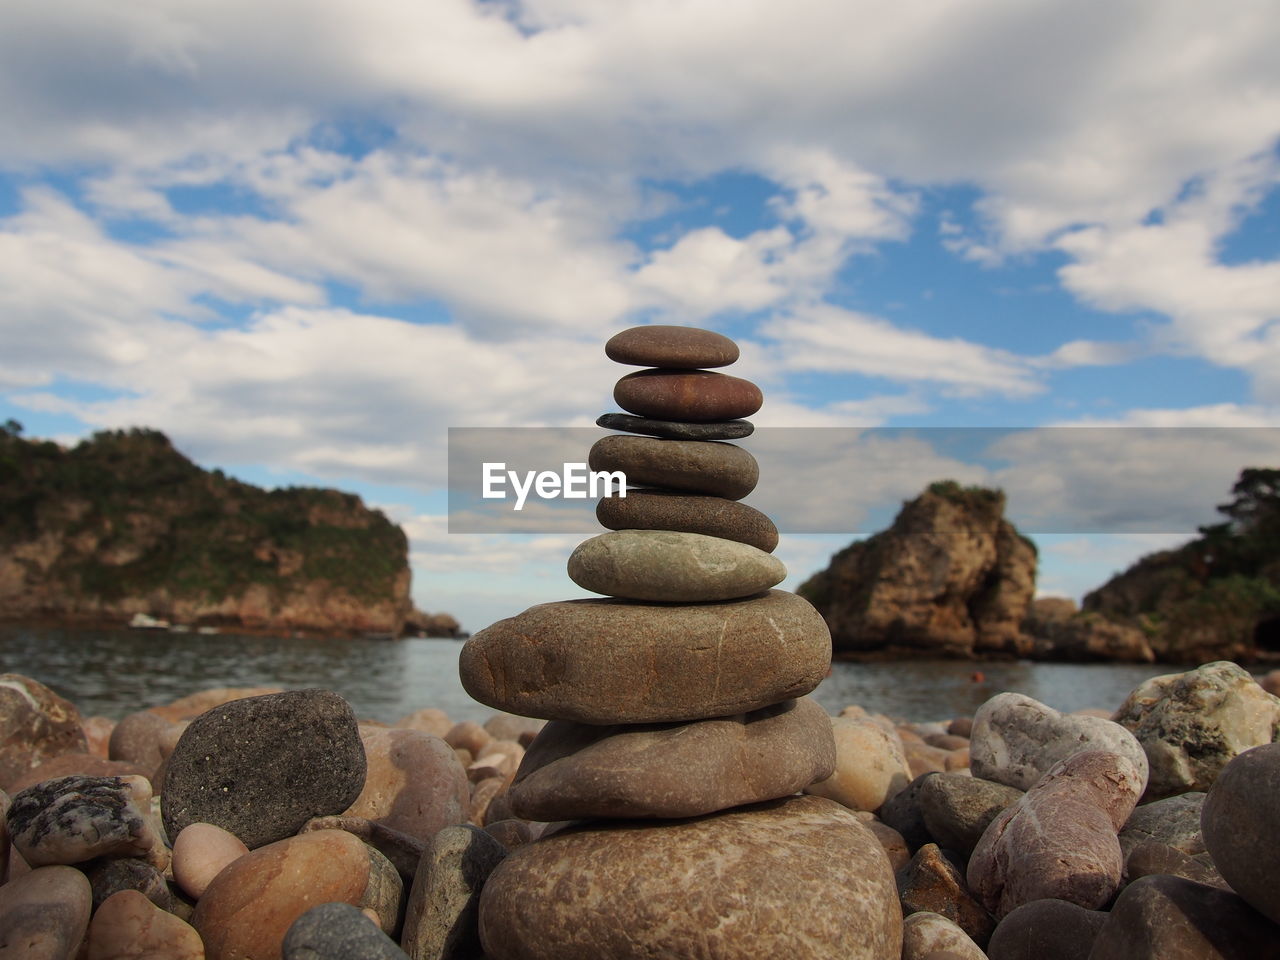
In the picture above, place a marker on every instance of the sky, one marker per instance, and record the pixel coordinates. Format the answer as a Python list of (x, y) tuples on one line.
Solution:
[(305, 239)]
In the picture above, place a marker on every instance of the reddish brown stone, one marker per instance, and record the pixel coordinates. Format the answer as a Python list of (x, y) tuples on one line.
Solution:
[(668, 510), (128, 926), (663, 345), (932, 883), (414, 783), (692, 466), (697, 396), (35, 724), (75, 764)]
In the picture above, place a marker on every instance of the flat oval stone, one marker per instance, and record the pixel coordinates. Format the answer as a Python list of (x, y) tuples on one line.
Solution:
[(667, 345), (44, 914), (575, 771), (35, 724), (616, 661), (75, 819), (128, 926), (676, 429), (799, 877), (667, 510), (672, 567), (200, 852), (718, 469), (690, 395), (263, 766), (415, 783), (1239, 823)]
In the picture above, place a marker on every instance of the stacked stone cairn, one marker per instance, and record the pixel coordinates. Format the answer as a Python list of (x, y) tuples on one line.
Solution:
[(679, 733)]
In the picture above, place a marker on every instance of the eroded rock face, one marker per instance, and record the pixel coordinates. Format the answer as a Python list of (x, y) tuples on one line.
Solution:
[(574, 771), (1192, 724), (1240, 822), (951, 576), (35, 724), (798, 878), (1016, 740)]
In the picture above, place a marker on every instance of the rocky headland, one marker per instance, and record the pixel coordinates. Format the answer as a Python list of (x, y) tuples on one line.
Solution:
[(123, 524)]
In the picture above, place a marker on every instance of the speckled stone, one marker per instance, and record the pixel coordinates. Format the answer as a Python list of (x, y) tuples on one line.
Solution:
[(414, 784), (442, 919), (667, 345), (668, 510), (676, 429), (870, 765), (74, 819), (713, 468), (261, 767), (932, 883), (35, 724), (337, 931), (1240, 822), (611, 661), (798, 878), (672, 567), (128, 926), (575, 771), (44, 914), (697, 396), (1046, 930), (110, 875), (250, 905), (926, 934)]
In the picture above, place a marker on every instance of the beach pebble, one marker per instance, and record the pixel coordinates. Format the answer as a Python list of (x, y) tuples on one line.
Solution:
[(1192, 724), (575, 771), (414, 784), (648, 663), (338, 931), (922, 758), (1170, 918), (1270, 682), (1174, 821), (698, 396), (109, 875), (74, 819), (870, 766), (961, 727), (1059, 839), (75, 765), (35, 724), (902, 812), (483, 794), (141, 738), (442, 919), (958, 809), (195, 704), (44, 914), (1240, 823), (1015, 740), (128, 926), (895, 847), (926, 934), (1046, 930), (667, 345), (713, 468), (261, 767), (1153, 857), (669, 510), (200, 852), (509, 726), (250, 905), (800, 874), (670, 566), (932, 883), (468, 736), (674, 429), (402, 850), (430, 720), (97, 733), (512, 832)]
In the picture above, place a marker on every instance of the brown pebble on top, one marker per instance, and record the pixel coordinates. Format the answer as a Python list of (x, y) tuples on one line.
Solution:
[(663, 345), (698, 396)]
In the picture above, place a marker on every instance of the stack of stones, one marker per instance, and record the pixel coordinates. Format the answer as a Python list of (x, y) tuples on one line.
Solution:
[(679, 733)]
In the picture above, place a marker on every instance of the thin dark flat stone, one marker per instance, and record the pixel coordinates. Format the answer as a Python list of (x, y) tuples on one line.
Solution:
[(676, 429)]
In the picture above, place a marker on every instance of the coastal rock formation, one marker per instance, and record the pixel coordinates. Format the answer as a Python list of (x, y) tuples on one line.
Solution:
[(124, 524), (950, 577)]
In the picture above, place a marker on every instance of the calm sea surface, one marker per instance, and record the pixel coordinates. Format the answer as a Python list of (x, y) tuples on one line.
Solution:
[(114, 672)]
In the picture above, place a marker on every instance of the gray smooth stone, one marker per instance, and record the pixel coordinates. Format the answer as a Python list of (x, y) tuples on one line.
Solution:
[(442, 920), (1046, 930), (671, 345), (712, 467), (1240, 822), (649, 509), (958, 809), (676, 429), (337, 931)]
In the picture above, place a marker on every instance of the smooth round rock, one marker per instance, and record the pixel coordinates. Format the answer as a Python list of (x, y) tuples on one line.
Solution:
[(798, 878), (1169, 918), (667, 510), (699, 396), (870, 765), (1240, 823), (1016, 740), (415, 783), (338, 931), (200, 852), (574, 771), (35, 724), (44, 914), (263, 766), (672, 567), (924, 934), (714, 468), (250, 905), (140, 738), (442, 919), (128, 926), (613, 661), (667, 345), (1192, 724), (958, 809), (430, 720), (1046, 930), (676, 429), (75, 819)]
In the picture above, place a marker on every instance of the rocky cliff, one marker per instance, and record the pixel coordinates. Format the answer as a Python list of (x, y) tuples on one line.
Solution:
[(950, 577), (124, 524)]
